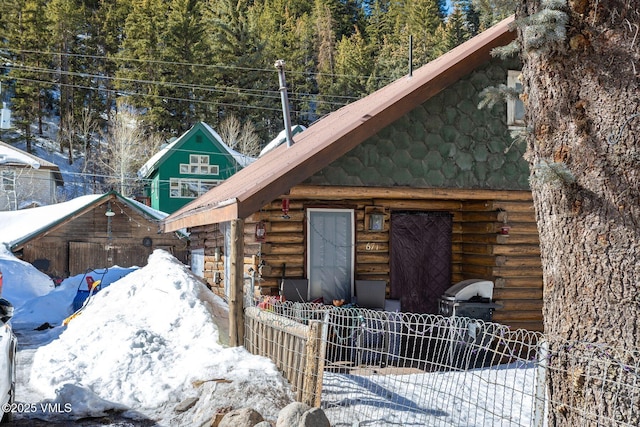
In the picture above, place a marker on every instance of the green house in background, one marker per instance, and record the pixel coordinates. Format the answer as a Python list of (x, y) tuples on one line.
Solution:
[(188, 167)]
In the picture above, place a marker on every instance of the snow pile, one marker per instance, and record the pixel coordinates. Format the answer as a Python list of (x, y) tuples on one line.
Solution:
[(56, 306), (149, 342), (21, 281)]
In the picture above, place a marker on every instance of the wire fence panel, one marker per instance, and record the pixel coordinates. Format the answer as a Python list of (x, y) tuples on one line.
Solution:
[(594, 383), (378, 368)]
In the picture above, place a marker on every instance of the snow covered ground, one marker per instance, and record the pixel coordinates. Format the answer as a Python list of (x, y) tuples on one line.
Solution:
[(155, 338), (146, 343)]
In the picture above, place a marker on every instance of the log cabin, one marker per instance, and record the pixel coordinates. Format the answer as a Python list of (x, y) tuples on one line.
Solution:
[(413, 185)]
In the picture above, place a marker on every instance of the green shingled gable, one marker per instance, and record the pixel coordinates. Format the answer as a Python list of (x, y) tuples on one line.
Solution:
[(446, 142)]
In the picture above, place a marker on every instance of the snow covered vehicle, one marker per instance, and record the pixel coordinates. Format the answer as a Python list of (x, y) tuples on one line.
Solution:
[(8, 344)]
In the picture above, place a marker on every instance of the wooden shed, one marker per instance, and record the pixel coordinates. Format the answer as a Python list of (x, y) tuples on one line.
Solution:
[(413, 185), (94, 231)]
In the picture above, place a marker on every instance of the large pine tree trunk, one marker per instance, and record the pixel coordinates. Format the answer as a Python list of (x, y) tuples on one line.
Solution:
[(583, 105)]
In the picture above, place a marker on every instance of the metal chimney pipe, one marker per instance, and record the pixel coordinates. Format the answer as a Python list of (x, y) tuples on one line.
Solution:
[(410, 55), (285, 101)]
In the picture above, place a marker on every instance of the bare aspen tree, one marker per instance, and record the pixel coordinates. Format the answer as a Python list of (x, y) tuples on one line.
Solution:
[(124, 145), (240, 137)]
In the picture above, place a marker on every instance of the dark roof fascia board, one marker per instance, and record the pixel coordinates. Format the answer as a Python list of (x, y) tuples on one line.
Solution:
[(336, 134)]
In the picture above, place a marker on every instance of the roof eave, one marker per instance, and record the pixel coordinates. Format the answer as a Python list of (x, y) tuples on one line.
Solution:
[(404, 94), (222, 212)]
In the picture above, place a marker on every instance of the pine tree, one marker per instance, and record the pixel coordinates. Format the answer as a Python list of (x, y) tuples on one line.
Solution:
[(236, 54), (353, 66), (65, 29), (184, 51), (418, 20), (288, 31), (140, 71), (456, 30), (25, 40)]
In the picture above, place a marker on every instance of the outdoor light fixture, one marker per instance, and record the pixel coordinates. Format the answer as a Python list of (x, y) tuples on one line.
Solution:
[(285, 209), (374, 216), (261, 231), (109, 212), (504, 229)]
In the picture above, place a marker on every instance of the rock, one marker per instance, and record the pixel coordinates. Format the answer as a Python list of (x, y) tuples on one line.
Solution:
[(314, 417), (245, 417), (219, 415), (186, 404), (263, 424), (291, 414)]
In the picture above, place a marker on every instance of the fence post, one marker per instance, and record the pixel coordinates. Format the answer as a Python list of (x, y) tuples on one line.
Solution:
[(539, 412), (312, 365)]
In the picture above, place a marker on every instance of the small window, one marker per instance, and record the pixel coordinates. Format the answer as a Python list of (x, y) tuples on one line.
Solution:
[(174, 188), (198, 165), (190, 188), (515, 107)]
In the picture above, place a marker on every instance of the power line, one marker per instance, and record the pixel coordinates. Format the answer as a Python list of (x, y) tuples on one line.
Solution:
[(191, 64), (124, 93), (225, 90)]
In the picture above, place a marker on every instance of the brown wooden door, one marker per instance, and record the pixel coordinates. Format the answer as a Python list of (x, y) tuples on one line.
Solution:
[(85, 255), (420, 259)]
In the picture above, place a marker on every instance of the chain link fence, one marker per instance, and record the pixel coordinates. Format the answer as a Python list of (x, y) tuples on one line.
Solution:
[(379, 368)]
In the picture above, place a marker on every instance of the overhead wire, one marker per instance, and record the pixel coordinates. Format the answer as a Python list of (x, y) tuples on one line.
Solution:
[(191, 64), (222, 89), (197, 101)]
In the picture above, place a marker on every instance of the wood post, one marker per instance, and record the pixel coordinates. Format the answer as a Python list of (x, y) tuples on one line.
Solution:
[(236, 281), (314, 366)]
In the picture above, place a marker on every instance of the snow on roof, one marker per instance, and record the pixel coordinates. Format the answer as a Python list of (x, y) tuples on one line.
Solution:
[(19, 225), (10, 155), (153, 162), (150, 164), (282, 137), (242, 159)]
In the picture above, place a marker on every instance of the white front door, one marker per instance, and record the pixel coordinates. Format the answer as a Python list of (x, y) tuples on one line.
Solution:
[(330, 254)]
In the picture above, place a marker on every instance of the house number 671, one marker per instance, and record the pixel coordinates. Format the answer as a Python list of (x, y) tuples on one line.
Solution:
[(372, 246)]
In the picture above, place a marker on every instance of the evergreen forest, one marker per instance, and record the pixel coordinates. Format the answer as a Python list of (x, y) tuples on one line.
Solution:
[(171, 63)]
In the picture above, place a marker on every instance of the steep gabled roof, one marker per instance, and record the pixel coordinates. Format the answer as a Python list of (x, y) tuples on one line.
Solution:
[(335, 135), (44, 219), (157, 159), (281, 138), (10, 155)]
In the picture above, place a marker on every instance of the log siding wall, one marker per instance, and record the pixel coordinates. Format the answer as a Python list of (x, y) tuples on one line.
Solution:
[(479, 249), (118, 241)]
